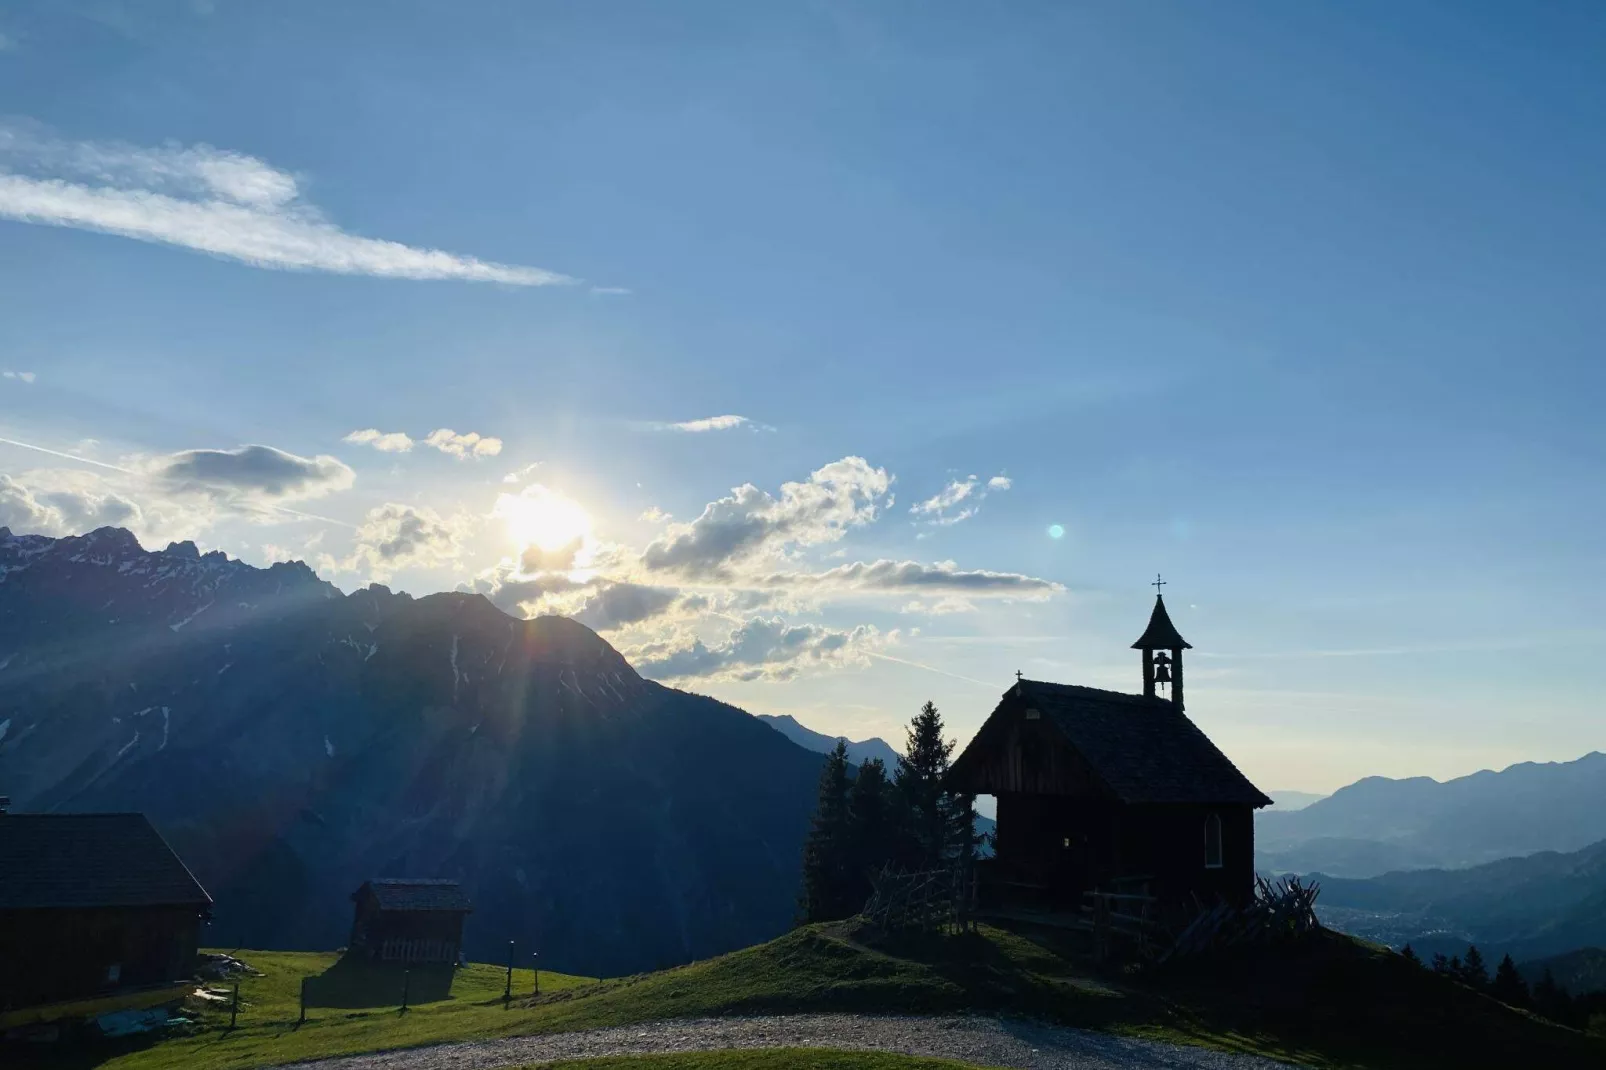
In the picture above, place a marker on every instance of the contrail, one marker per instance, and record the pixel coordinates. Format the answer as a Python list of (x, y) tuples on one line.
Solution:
[(68, 456), (932, 668), (142, 476)]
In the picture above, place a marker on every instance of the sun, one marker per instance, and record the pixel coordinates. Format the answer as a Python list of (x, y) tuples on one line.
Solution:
[(540, 516)]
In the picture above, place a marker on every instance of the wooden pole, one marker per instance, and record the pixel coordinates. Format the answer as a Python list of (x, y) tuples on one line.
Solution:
[(535, 961), (407, 976), (303, 1019), (234, 1006), (507, 993)]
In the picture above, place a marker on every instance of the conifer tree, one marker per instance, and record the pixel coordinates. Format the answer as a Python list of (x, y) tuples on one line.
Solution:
[(1410, 956), (1551, 1000), (871, 827), (826, 889), (1440, 963), (1473, 971), (1508, 986), (926, 808)]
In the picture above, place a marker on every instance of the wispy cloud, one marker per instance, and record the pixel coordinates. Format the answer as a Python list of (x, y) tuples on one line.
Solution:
[(215, 201), (959, 500), (710, 423), (26, 377)]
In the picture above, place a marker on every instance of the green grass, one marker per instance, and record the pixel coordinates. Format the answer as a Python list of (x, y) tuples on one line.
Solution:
[(1333, 1002)]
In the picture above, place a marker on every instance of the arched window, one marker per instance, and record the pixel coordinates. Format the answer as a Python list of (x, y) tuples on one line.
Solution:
[(1213, 841)]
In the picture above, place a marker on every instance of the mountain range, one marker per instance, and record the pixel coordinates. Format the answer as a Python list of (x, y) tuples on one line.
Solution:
[(1378, 825), (872, 749), (291, 742), (1532, 907)]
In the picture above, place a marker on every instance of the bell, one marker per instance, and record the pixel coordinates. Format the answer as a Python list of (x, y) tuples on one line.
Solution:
[(1162, 673)]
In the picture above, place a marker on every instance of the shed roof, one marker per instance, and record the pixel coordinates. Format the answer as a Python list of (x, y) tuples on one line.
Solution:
[(406, 893), (90, 860), (1145, 750), (1161, 634)]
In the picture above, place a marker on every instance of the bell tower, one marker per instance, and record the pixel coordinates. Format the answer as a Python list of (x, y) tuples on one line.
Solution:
[(1162, 647)]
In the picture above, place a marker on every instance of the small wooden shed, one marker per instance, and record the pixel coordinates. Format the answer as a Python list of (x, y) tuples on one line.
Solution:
[(93, 907), (409, 920)]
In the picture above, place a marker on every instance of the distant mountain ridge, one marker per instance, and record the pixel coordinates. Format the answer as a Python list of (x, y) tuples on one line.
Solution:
[(292, 742), (1378, 824), (872, 749), (1533, 906)]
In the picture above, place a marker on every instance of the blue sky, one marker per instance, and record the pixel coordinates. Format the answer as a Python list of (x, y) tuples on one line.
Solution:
[(1298, 304)]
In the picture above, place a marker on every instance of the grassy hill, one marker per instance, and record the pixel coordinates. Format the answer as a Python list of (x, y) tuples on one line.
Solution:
[(1334, 1002)]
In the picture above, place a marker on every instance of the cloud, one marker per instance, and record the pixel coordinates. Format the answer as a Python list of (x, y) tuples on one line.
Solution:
[(615, 605), (611, 291), (762, 648), (521, 474), (26, 377), (536, 558), (883, 576), (250, 476), (472, 444), (654, 515), (750, 524), (393, 537), (215, 201), (383, 441), (59, 501), (959, 500), (711, 423)]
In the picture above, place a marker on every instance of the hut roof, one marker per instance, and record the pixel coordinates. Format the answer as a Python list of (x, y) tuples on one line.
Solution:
[(90, 860), (1145, 750), (405, 893)]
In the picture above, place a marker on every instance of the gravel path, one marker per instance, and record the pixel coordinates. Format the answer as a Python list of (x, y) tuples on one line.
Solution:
[(986, 1041)]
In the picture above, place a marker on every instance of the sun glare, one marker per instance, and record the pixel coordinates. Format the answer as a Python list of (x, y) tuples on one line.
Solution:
[(542, 517)]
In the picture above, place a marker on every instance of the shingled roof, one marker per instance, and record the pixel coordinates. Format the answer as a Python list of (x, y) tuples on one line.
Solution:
[(1145, 750), (403, 893), (90, 860)]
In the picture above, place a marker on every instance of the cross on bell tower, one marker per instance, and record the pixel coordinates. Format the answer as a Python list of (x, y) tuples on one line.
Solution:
[(1162, 647)]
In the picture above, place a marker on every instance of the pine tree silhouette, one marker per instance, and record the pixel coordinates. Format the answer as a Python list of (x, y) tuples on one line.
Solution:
[(927, 808), (1409, 956), (1473, 971), (1508, 986), (871, 827), (827, 890)]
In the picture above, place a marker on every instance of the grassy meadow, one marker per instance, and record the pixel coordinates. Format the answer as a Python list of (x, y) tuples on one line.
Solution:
[(1331, 1002)]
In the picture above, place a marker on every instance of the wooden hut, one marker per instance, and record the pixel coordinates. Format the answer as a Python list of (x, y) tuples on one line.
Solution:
[(409, 920), (96, 913), (1101, 790)]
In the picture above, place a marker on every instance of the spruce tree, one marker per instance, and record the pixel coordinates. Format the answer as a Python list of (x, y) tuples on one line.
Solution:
[(1551, 1000), (1440, 963), (826, 890), (1410, 956), (926, 808), (871, 827), (1473, 971), (1509, 987)]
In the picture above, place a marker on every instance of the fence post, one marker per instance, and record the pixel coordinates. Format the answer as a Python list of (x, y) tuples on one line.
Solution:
[(302, 1020), (507, 993), (535, 962), (234, 1006), (407, 976)]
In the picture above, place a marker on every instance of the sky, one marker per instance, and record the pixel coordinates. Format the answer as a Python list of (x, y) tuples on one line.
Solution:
[(830, 357)]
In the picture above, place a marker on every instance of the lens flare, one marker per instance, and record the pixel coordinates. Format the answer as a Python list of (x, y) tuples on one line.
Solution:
[(1056, 531)]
